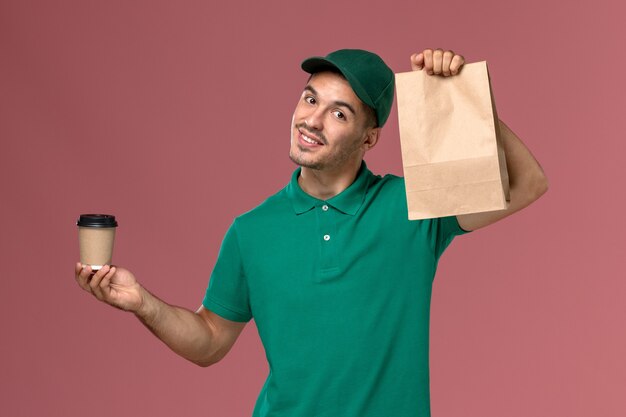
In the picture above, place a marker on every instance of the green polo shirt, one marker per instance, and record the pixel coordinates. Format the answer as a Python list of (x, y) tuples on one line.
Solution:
[(340, 292)]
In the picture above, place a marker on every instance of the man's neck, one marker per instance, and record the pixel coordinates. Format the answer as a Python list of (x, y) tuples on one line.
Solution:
[(324, 184)]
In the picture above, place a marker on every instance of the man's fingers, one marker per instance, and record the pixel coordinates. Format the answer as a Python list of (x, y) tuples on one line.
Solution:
[(94, 284), (456, 64), (428, 61), (447, 60), (417, 61), (105, 288), (83, 274), (437, 60)]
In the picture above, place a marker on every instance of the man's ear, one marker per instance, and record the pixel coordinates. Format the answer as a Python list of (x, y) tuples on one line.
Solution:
[(371, 138)]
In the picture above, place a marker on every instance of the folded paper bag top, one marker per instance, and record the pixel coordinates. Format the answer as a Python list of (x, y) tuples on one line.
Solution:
[(450, 138)]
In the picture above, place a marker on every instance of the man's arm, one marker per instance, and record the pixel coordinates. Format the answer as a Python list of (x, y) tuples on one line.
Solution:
[(527, 182), (202, 337)]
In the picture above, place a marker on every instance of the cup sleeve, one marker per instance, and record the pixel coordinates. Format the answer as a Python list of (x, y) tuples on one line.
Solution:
[(227, 294)]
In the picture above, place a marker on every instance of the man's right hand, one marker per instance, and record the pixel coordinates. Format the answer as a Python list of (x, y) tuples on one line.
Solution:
[(202, 337), (112, 285)]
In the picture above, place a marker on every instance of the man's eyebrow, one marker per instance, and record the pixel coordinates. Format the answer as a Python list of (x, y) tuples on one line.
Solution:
[(336, 102)]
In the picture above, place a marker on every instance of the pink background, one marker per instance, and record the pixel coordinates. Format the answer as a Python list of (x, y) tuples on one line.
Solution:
[(174, 116)]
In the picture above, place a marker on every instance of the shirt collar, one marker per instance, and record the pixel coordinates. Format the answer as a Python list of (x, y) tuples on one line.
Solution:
[(349, 201)]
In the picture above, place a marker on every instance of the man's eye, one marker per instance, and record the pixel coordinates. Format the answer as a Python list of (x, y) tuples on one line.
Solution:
[(339, 115), (309, 100)]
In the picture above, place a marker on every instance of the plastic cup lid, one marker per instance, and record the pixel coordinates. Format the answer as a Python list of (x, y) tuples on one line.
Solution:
[(96, 220)]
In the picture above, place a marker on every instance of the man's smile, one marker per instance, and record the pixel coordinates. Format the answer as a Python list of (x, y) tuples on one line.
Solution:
[(309, 139)]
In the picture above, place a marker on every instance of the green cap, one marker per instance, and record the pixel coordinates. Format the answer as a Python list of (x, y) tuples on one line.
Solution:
[(370, 78)]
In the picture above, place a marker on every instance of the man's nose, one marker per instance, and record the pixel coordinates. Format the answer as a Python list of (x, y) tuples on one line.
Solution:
[(315, 119)]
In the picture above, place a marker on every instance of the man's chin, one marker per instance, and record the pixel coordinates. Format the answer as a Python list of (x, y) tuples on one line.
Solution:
[(303, 162)]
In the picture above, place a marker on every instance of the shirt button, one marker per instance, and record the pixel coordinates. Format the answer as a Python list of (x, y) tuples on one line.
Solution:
[(327, 237), (325, 207)]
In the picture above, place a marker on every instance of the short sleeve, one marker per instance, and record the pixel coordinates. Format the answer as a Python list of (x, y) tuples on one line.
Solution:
[(442, 231), (227, 293)]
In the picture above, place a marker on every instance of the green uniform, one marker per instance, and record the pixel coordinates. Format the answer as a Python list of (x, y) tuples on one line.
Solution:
[(340, 292)]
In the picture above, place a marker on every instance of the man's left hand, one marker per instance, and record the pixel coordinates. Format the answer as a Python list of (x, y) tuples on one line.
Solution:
[(439, 62)]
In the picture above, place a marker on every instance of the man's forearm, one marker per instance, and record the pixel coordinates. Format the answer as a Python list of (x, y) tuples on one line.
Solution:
[(527, 182), (526, 178), (183, 331)]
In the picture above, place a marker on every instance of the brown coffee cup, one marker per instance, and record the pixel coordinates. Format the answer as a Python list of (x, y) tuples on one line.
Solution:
[(96, 235)]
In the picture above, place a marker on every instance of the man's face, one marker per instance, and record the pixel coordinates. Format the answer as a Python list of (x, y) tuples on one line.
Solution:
[(329, 127)]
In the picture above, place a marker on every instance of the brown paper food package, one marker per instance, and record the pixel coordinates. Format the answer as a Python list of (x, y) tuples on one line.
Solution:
[(451, 152)]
